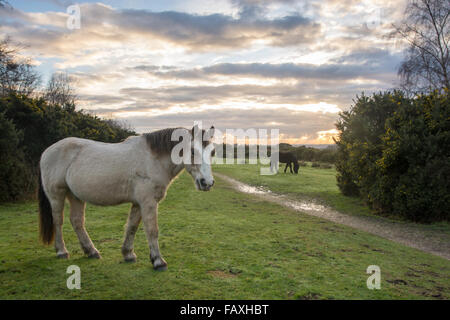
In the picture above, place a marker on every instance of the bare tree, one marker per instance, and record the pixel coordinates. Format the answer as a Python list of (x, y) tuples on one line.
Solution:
[(16, 74), (60, 91), (426, 28)]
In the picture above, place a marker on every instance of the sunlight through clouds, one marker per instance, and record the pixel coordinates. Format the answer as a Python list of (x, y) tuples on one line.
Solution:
[(288, 64)]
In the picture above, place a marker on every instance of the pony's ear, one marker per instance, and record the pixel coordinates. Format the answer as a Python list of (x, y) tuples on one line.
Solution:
[(209, 134), (194, 130)]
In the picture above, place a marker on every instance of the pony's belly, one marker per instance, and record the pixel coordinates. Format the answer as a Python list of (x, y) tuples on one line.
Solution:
[(101, 198), (100, 191)]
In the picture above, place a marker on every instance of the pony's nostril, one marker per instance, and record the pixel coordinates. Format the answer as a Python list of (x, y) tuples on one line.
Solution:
[(213, 183), (203, 182)]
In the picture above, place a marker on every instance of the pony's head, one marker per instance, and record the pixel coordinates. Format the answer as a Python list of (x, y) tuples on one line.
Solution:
[(201, 153), (296, 166)]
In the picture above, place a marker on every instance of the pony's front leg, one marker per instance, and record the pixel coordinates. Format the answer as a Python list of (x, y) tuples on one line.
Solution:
[(150, 218), (134, 219)]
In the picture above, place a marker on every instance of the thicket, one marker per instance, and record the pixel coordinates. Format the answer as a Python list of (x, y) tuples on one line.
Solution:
[(394, 152)]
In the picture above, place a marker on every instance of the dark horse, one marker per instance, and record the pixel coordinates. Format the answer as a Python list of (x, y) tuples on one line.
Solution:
[(285, 157)]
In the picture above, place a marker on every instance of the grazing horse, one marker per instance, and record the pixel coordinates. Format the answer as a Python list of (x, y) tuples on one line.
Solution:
[(138, 170), (284, 157)]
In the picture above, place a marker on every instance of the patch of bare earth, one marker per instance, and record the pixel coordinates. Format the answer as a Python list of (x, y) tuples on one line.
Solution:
[(221, 274), (408, 234)]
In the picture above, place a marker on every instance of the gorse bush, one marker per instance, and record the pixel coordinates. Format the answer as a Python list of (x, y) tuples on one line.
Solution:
[(13, 170), (394, 152), (28, 126), (414, 170)]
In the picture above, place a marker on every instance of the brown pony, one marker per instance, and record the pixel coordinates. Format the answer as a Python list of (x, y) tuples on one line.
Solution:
[(285, 157)]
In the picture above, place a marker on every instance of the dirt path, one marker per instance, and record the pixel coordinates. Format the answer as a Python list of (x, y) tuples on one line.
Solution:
[(437, 243)]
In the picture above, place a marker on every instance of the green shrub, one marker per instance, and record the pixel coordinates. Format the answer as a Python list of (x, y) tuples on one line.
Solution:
[(394, 152), (315, 165), (13, 170), (414, 170)]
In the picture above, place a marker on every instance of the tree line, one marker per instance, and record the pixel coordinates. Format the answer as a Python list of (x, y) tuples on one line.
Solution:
[(303, 153)]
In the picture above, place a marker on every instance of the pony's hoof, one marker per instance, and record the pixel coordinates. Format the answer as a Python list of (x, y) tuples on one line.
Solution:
[(63, 255), (95, 255), (162, 267), (130, 259), (159, 264)]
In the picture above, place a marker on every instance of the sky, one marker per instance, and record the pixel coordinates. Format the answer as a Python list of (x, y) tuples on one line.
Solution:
[(282, 64)]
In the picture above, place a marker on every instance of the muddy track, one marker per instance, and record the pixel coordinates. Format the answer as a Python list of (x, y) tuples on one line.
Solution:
[(437, 243)]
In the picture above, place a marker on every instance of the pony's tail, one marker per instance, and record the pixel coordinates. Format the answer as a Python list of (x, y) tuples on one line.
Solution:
[(46, 227)]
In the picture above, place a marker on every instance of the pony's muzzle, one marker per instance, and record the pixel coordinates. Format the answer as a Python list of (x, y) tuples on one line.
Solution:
[(203, 185)]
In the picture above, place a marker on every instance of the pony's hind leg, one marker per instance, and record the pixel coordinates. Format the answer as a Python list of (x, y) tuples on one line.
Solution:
[(77, 219), (134, 219), (57, 204)]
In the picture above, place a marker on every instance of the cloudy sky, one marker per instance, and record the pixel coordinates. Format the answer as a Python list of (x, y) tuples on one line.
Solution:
[(286, 64)]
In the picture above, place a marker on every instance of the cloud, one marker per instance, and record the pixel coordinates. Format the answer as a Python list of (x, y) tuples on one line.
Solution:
[(101, 23), (223, 94), (357, 64)]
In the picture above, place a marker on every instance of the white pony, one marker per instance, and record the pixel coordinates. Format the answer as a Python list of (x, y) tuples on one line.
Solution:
[(137, 170)]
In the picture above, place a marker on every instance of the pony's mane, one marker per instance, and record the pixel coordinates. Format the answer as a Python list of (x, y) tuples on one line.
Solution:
[(161, 140)]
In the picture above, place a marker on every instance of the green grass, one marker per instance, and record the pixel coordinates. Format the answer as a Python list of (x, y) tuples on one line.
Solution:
[(311, 183), (219, 245)]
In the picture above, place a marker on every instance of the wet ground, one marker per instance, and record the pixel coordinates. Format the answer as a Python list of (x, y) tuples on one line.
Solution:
[(411, 235)]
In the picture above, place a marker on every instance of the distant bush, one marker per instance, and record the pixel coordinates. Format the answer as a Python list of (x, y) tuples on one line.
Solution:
[(303, 153), (321, 165), (394, 152)]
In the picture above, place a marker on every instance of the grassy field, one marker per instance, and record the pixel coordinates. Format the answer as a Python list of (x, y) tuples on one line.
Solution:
[(310, 183), (319, 184), (219, 245)]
